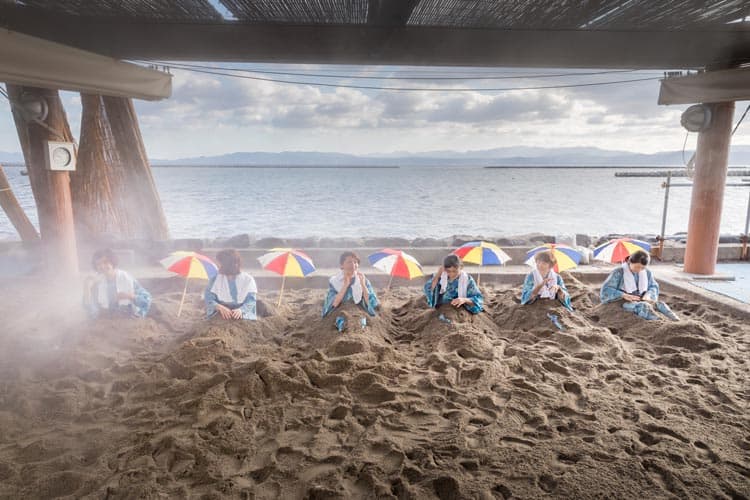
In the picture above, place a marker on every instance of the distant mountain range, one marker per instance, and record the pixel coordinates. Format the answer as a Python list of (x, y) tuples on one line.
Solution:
[(511, 156)]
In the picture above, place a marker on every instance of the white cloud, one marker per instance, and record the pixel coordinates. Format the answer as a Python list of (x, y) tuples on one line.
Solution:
[(210, 114)]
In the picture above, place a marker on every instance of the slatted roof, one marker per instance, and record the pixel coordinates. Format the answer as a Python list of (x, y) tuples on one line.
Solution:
[(583, 33)]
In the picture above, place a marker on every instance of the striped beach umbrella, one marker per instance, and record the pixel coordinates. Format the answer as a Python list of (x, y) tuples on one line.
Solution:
[(287, 262), (189, 265), (482, 253), (567, 257), (396, 263), (619, 249)]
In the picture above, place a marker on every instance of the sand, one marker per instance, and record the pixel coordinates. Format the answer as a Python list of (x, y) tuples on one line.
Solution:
[(499, 405)]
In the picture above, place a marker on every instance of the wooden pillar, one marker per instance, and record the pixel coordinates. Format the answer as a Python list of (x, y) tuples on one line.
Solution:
[(51, 189), (113, 189), (142, 197), (17, 216), (711, 159)]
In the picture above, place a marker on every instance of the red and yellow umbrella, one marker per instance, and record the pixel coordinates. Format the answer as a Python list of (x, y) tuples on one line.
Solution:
[(189, 265), (396, 263), (619, 249), (482, 253), (287, 262), (567, 257)]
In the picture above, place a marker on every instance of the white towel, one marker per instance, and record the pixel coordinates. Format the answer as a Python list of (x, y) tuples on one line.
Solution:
[(546, 291), (337, 281), (628, 280), (245, 284), (123, 283), (463, 284)]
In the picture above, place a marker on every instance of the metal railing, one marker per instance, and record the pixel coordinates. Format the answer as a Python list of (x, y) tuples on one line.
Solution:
[(668, 184)]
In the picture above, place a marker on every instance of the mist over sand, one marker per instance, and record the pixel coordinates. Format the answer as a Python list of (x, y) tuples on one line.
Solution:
[(497, 405)]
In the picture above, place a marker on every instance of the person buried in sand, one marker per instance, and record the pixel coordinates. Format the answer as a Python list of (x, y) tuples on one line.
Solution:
[(113, 291), (452, 285), (350, 285), (231, 294), (635, 284), (544, 283)]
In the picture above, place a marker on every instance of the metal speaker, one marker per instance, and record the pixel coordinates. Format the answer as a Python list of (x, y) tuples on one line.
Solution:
[(697, 118), (32, 108)]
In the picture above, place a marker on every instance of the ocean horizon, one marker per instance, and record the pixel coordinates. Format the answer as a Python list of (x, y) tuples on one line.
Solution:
[(411, 201)]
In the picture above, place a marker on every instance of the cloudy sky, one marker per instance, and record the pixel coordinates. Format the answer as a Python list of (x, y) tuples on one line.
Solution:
[(212, 114)]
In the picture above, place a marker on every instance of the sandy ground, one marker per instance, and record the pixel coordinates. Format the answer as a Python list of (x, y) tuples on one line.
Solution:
[(499, 405)]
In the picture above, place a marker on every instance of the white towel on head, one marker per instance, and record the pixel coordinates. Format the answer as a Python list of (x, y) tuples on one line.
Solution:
[(546, 291), (123, 283), (463, 284), (628, 280), (337, 282), (245, 285)]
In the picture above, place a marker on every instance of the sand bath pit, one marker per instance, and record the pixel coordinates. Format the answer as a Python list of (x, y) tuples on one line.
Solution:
[(498, 405)]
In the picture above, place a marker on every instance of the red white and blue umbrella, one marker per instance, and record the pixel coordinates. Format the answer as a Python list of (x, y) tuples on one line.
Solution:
[(566, 257), (189, 265), (287, 262), (482, 253), (619, 249), (396, 263)]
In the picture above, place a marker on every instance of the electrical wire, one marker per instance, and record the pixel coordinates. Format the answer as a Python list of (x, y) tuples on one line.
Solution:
[(684, 144), (179, 65), (418, 89), (741, 118)]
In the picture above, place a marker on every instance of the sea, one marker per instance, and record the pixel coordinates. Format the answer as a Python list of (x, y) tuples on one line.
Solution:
[(413, 202)]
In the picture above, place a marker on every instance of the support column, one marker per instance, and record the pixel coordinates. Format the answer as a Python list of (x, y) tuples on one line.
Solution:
[(711, 159), (17, 216), (51, 189), (113, 188)]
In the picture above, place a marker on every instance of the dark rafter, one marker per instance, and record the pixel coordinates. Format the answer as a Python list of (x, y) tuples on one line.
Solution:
[(390, 12), (541, 33)]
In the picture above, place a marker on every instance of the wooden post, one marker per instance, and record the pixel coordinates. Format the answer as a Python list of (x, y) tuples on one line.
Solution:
[(113, 189), (711, 159), (51, 189), (141, 194), (17, 216), (281, 292)]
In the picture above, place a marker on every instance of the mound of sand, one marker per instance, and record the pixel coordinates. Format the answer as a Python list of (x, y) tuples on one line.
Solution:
[(497, 405)]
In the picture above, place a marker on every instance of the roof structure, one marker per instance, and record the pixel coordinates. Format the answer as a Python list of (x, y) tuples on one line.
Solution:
[(543, 33), (27, 60)]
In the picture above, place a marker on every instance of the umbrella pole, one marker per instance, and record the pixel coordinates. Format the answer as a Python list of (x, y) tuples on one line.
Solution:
[(283, 279), (479, 278), (389, 283), (182, 301)]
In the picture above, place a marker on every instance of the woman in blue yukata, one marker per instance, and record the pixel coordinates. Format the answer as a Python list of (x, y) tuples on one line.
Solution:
[(231, 294), (350, 285), (451, 285), (636, 285), (113, 292), (544, 283)]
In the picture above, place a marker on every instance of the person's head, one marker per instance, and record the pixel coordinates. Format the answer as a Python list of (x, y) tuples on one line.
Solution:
[(104, 261), (229, 262), (452, 265), (349, 262), (638, 261), (544, 261)]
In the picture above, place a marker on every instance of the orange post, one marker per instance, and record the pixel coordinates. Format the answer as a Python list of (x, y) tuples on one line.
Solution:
[(711, 158)]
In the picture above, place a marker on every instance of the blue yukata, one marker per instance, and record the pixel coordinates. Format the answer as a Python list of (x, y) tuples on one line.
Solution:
[(614, 288), (354, 294), (445, 291), (233, 292), (104, 297), (530, 283)]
